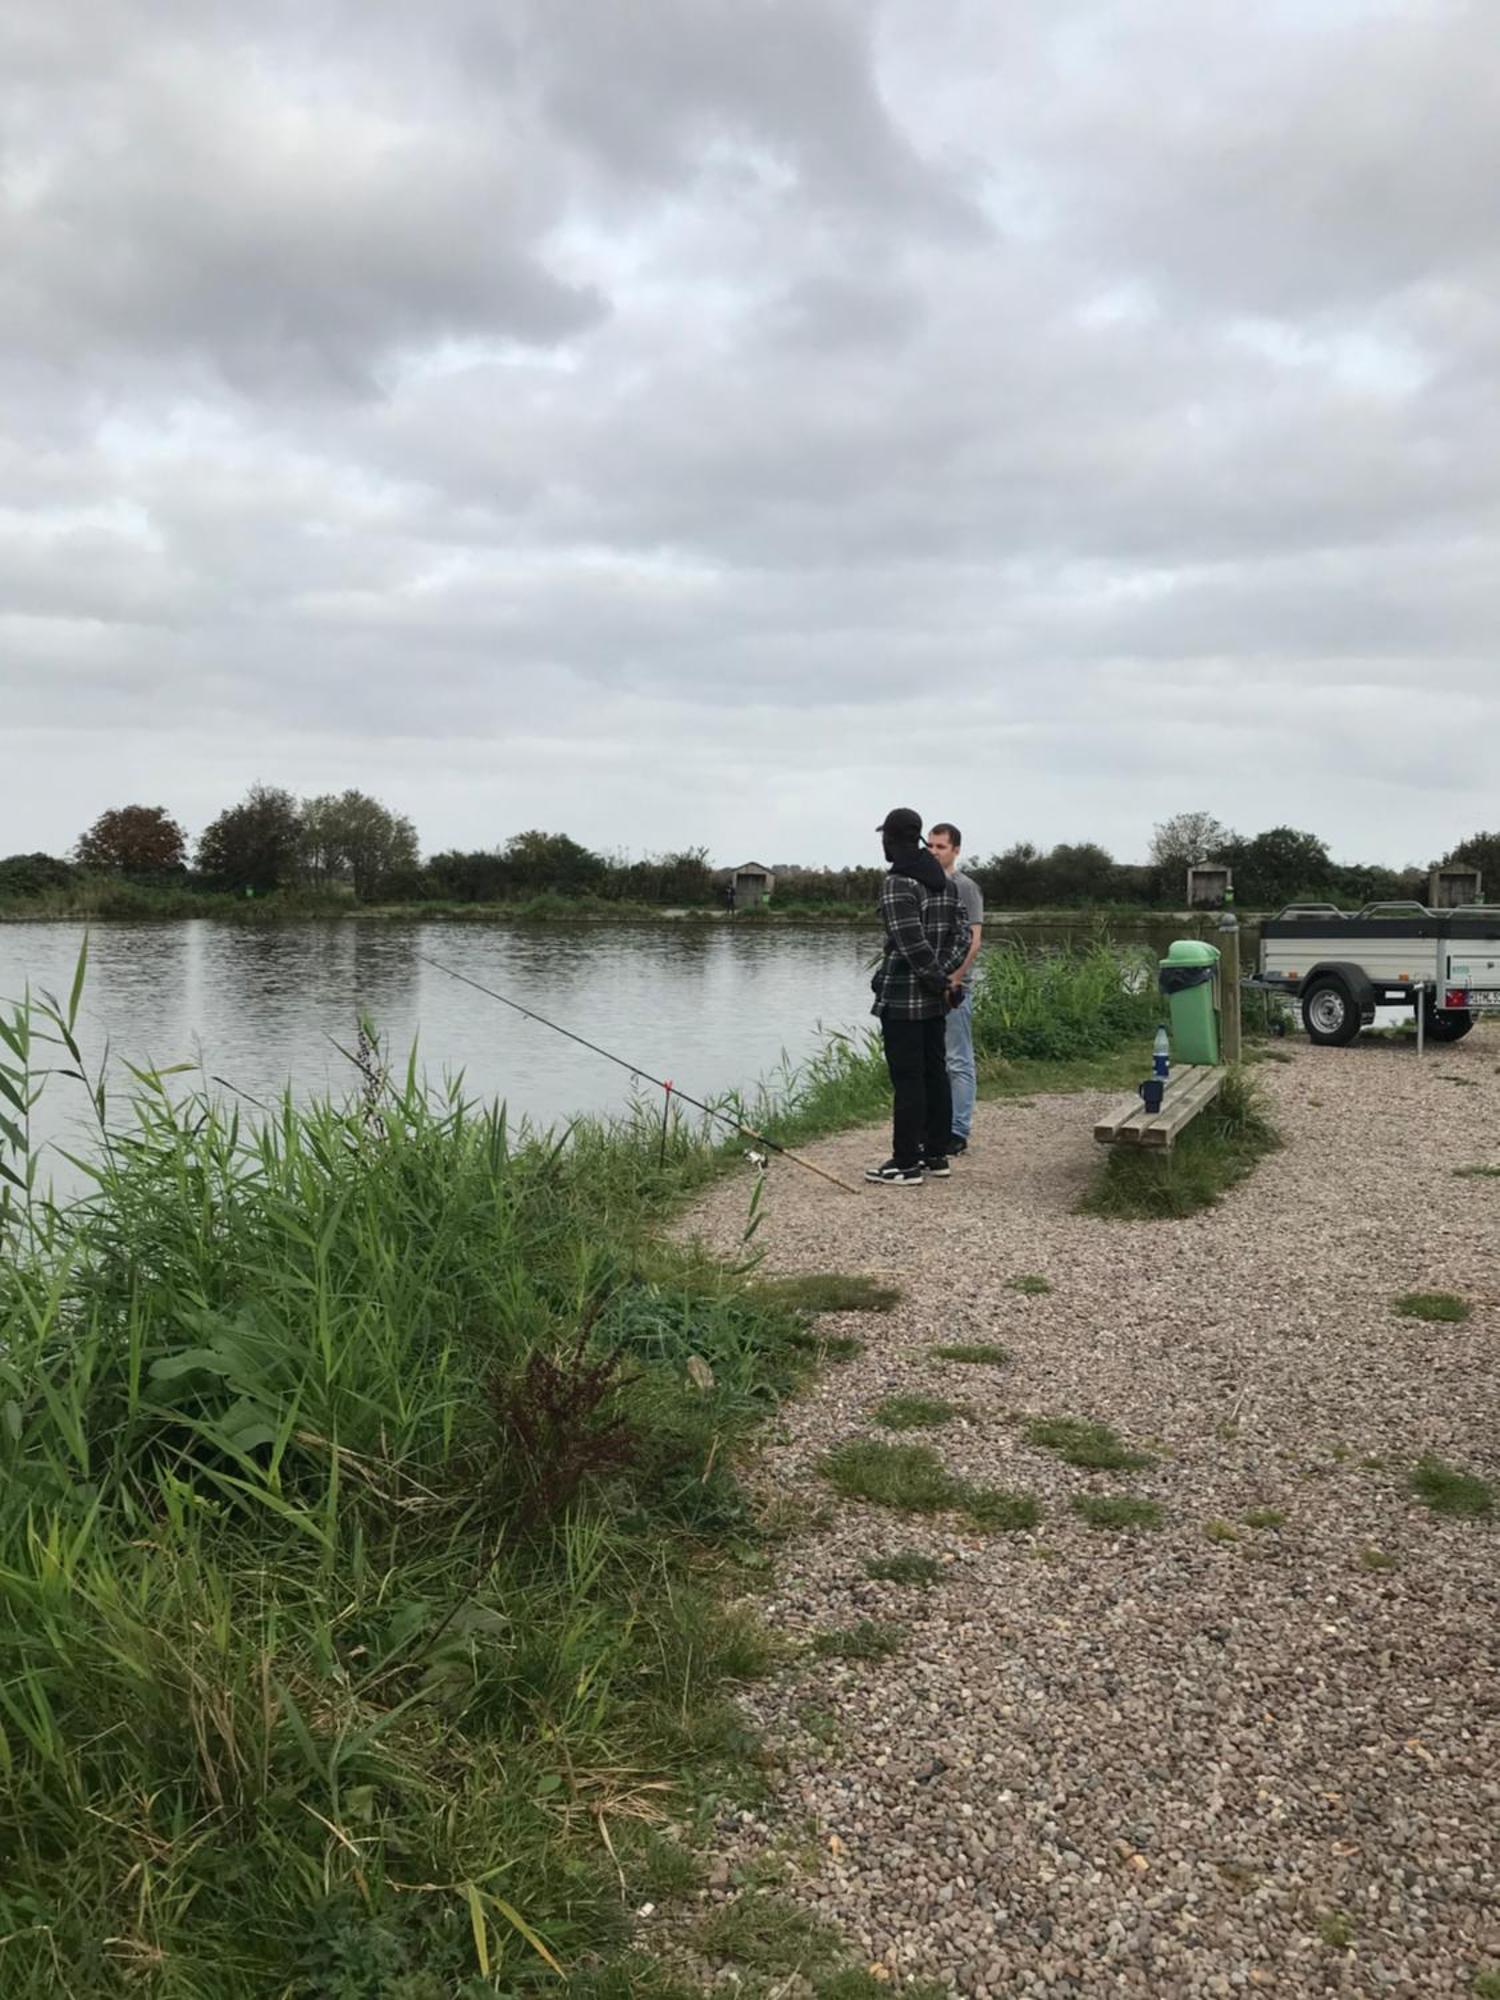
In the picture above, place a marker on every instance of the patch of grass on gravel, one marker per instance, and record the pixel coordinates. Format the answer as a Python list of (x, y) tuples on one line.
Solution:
[(829, 1292), (979, 1352), (857, 1984), (1218, 1149), (1078, 1441), (990, 1507), (1221, 1531), (913, 1479), (1376, 1559), (664, 1871), (1444, 1307), (1477, 1174), (1031, 1283), (821, 1724), (1336, 1929), (868, 1640), (771, 1936), (1264, 1517), (828, 1346), (1446, 1490), (905, 1567), (1122, 1510), (907, 1476), (915, 1413), (634, 1977), (1487, 1985)]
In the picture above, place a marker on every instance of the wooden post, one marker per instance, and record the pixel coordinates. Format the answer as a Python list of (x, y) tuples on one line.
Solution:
[(1229, 987)]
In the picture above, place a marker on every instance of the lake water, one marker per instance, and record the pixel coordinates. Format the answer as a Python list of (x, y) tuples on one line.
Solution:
[(712, 1006)]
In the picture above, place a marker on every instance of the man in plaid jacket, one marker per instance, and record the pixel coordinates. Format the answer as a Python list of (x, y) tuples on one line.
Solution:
[(926, 941)]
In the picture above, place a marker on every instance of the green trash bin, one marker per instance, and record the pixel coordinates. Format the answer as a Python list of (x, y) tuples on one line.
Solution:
[(1189, 979)]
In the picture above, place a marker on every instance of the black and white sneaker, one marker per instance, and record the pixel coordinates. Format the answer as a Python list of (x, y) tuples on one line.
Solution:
[(937, 1167), (956, 1145), (892, 1174)]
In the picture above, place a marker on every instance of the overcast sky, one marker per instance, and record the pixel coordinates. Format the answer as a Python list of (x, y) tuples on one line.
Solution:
[(716, 421)]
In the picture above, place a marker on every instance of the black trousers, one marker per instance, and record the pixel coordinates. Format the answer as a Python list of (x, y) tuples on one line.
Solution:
[(916, 1056)]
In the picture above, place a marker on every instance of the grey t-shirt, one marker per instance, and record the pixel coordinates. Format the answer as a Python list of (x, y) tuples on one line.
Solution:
[(973, 905)]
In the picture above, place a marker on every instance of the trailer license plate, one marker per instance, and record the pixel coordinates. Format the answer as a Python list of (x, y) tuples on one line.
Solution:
[(1484, 996)]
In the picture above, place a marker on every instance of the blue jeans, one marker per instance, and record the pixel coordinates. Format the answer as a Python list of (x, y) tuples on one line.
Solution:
[(962, 1076)]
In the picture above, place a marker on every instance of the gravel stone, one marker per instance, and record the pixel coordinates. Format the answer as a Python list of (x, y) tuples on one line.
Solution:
[(1157, 1763)]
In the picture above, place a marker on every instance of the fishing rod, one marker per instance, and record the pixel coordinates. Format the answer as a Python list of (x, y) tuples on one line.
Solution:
[(661, 1083)]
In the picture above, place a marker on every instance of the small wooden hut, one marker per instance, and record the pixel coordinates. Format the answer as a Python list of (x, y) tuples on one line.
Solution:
[(751, 885), (1451, 888), (1209, 886)]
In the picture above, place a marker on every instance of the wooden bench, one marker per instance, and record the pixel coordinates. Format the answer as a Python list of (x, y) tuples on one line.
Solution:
[(1189, 1088)]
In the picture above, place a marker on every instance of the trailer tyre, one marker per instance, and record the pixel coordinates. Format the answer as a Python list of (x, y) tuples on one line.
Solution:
[(1446, 1024), (1330, 1012)]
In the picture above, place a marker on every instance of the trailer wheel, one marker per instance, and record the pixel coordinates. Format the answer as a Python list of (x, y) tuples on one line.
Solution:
[(1445, 1024), (1329, 1013)]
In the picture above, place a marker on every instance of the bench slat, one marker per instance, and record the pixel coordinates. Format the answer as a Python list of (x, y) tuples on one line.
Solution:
[(1189, 1089)]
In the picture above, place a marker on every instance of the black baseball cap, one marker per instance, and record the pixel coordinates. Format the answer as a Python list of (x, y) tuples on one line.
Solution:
[(902, 824)]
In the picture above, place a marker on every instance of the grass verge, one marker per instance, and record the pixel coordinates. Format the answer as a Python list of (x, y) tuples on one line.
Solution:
[(1220, 1147)]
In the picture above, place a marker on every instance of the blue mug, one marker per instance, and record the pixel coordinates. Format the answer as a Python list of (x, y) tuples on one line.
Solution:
[(1152, 1091)]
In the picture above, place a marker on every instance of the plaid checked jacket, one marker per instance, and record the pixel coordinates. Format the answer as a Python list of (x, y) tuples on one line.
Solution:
[(926, 938)]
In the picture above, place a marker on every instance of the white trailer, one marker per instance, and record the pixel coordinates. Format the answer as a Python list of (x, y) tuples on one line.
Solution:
[(1444, 964)]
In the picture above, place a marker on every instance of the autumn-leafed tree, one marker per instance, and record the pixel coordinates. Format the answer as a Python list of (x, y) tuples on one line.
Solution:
[(133, 840), (350, 837), (256, 844)]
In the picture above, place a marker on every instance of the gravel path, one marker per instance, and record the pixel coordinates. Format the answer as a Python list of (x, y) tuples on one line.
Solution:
[(1163, 1763)]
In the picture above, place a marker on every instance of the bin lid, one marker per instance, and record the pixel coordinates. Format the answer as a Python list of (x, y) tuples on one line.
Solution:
[(1191, 951)]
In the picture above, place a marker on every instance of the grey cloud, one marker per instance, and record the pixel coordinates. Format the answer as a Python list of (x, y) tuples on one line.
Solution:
[(490, 404)]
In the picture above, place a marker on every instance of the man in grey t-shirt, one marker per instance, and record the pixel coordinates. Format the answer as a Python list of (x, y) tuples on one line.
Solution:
[(944, 841)]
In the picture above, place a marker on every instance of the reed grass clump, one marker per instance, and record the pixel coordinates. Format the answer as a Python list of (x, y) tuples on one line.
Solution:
[(1062, 1005), (357, 1468)]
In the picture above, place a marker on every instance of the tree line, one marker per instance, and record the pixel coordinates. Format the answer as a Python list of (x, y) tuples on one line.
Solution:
[(349, 844)]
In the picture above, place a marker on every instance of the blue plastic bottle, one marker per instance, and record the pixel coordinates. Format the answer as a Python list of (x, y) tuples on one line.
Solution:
[(1161, 1055)]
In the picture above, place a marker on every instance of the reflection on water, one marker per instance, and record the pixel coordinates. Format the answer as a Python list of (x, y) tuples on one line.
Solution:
[(711, 1007)]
